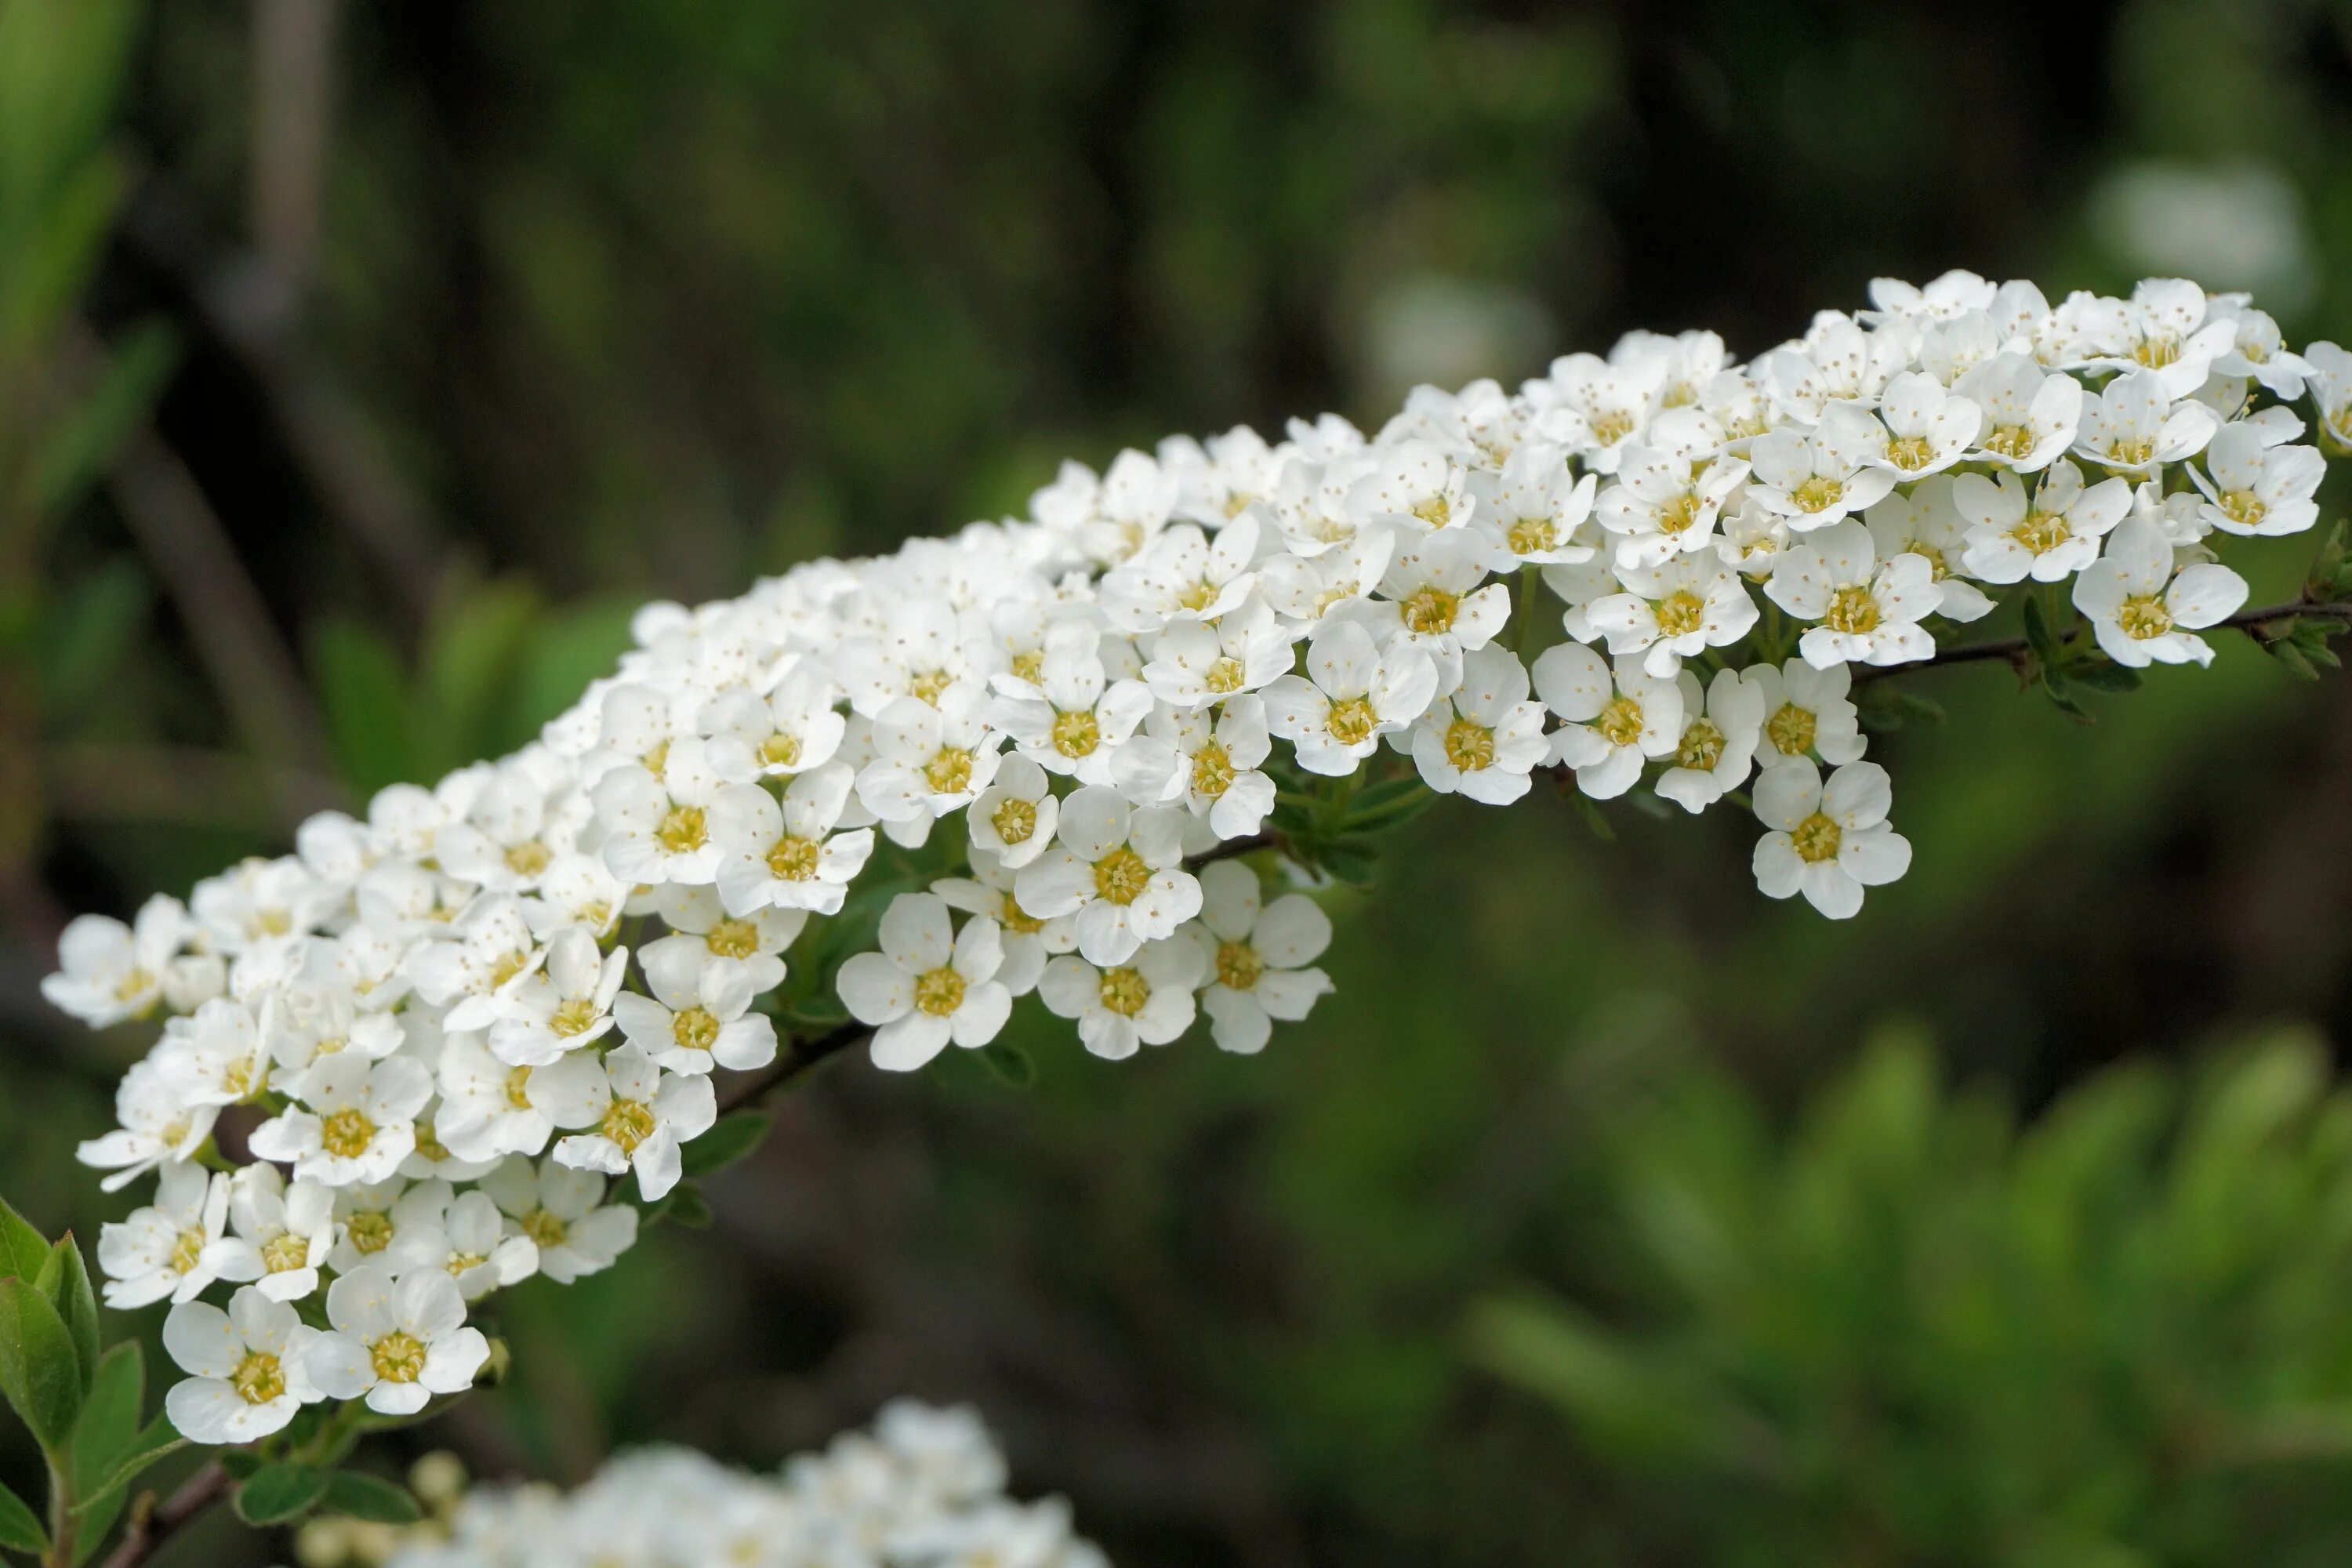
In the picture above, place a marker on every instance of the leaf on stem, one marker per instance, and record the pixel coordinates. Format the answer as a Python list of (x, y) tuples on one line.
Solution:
[(39, 1369), (370, 1498), (734, 1136), (20, 1527), (277, 1493)]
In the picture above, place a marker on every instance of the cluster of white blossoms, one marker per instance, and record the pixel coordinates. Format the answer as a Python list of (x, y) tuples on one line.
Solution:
[(924, 1490), (1039, 756)]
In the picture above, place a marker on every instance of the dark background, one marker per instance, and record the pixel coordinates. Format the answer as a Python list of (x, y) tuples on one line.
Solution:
[(472, 326)]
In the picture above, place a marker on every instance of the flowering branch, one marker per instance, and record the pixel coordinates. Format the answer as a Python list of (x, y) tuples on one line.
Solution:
[(2015, 651)]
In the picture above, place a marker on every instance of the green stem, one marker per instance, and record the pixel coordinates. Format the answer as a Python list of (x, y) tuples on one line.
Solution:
[(63, 1525)]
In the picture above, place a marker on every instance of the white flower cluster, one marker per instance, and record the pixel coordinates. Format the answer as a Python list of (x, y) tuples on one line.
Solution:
[(924, 1490), (446, 1025)]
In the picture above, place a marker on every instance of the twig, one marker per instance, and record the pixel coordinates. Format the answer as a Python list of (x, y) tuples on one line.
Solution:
[(2014, 649), (153, 1523)]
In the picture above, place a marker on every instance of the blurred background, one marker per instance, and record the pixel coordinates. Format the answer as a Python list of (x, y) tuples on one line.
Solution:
[(361, 366)]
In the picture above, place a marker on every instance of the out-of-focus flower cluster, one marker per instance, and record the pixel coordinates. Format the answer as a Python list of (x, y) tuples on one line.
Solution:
[(1090, 753), (925, 1488)]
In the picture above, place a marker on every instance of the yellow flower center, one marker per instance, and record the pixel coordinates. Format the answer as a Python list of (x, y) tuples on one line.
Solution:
[(1911, 453), (695, 1029), (517, 1089), (1121, 876), (272, 923), (1015, 820), (929, 685), (507, 966), (1818, 493), (1431, 611), (1199, 596), (780, 750), (285, 1252), (732, 938), (1469, 747), (2156, 353), (1701, 747), (948, 772), (545, 1229), (1611, 427), (1680, 613), (461, 1261), (682, 831), (1853, 610), (1681, 394), (2131, 453), (369, 1232), (1213, 770), (1225, 675), (1125, 991), (2014, 442), (1352, 722), (657, 759), (627, 1122), (135, 982), (432, 1148), (1816, 838), (938, 992), (1030, 666), (1527, 535), (2042, 531), (792, 859), (2243, 508), (1620, 723), (399, 1357), (1678, 516), (2143, 617), (187, 1250), (529, 859), (1238, 965), (1075, 734), (1434, 510), (346, 1133), (258, 1379), (575, 1016), (1018, 920)]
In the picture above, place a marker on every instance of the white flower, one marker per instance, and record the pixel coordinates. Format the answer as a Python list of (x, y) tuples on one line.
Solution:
[(563, 1212), (929, 761), (1147, 1001), (1838, 365), (1210, 760), (2258, 351), (464, 1237), (657, 828), (2330, 385), (249, 1368), (1304, 589), (158, 1125), (218, 1057), (1815, 478), (395, 1344), (927, 986), (1536, 509), (1870, 613), (2030, 414), (2253, 487), (1194, 663), (1074, 718), (1028, 941), (2133, 427), (1664, 504), (1482, 740), (640, 1115), (1614, 727), (2050, 541), (699, 921), (1014, 817), (492, 950), (1359, 693), (490, 1109), (1927, 523), (1256, 961), (368, 1219), (791, 729), (698, 1015), (2141, 613), (524, 817), (1806, 712), (1434, 601), (309, 1021), (108, 971), (2163, 327), (922, 657), (1928, 427), (1119, 868), (1718, 745), (788, 856), (360, 1122), (1595, 407), (1417, 483), (160, 1250), (1183, 575), (564, 1007), (1827, 844), (1674, 612), (282, 1234)]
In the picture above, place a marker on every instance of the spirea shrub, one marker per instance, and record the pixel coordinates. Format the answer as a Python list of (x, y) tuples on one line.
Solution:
[(1103, 756)]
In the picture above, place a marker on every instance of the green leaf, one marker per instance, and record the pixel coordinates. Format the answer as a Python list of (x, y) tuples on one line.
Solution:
[(278, 1493), (20, 1527), (1009, 1063), (86, 445), (109, 1416), (366, 698), (1924, 710), (39, 1371), (2039, 636), (65, 1281), (1352, 860), (23, 1249), (2102, 676), (157, 1440), (240, 1463), (1589, 809), (367, 1498), (730, 1140), (1389, 804), (689, 1207), (1290, 820)]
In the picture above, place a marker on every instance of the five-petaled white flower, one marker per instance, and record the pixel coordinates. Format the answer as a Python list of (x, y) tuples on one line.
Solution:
[(2252, 486), (1358, 694), (1145, 1001), (1870, 612), (1718, 745), (787, 856), (2052, 537), (1119, 868), (281, 1234), (1484, 741), (928, 985), (1815, 478), (564, 1213), (1674, 612), (357, 1123), (1014, 817), (565, 1006), (162, 1249), (1830, 843), (395, 1342), (1256, 961), (1613, 725), (1806, 713), (249, 1368), (638, 1116), (2144, 614)]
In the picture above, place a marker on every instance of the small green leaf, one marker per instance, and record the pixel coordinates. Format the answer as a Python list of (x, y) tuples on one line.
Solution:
[(1389, 804), (23, 1249), (39, 1371), (109, 1416), (2102, 676), (20, 1527), (157, 1440), (65, 1281), (2038, 633), (731, 1139), (1926, 711), (1589, 809), (367, 1498), (689, 1207), (1009, 1063), (2297, 662), (278, 1493), (1352, 860), (240, 1463), (1649, 803)]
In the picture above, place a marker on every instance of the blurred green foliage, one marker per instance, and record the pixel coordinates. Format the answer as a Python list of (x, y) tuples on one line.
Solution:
[(1909, 1332)]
